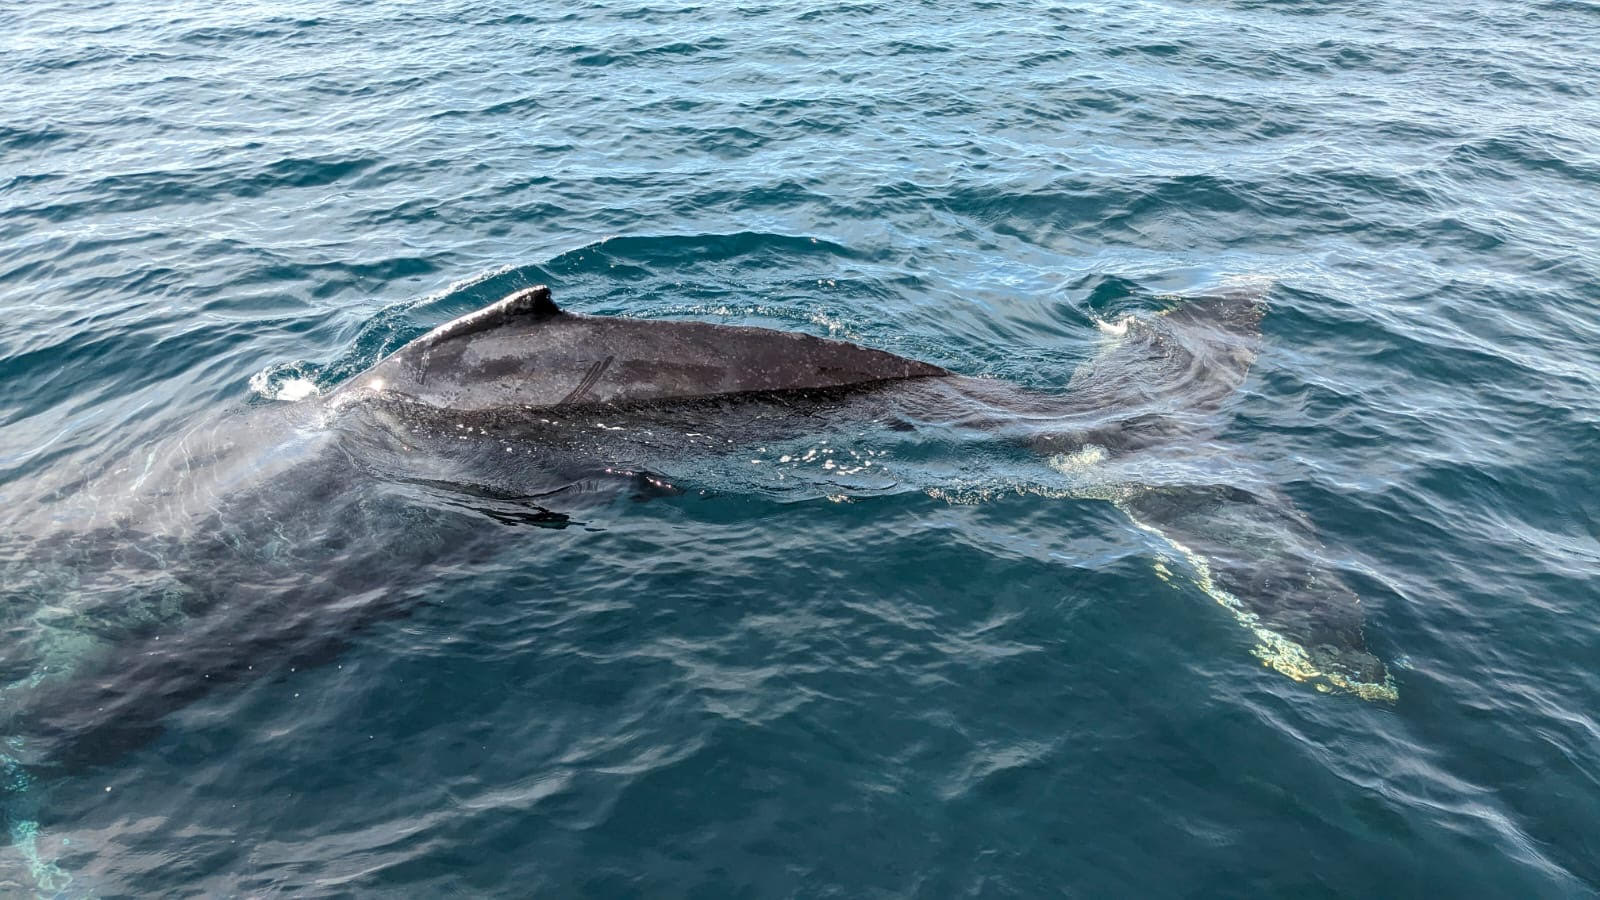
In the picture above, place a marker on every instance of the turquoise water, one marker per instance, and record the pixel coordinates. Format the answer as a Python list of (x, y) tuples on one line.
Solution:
[(959, 681)]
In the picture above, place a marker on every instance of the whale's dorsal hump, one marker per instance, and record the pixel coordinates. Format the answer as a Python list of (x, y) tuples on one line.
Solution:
[(527, 304), (534, 301)]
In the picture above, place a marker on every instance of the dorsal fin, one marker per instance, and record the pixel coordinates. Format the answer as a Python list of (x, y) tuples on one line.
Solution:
[(533, 303)]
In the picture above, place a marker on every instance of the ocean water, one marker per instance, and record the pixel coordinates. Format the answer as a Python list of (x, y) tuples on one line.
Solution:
[(945, 676)]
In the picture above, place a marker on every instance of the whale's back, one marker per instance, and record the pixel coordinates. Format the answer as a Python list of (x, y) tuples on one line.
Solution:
[(523, 352)]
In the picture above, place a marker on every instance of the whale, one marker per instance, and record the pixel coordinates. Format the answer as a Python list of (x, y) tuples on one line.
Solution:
[(523, 362), (238, 548)]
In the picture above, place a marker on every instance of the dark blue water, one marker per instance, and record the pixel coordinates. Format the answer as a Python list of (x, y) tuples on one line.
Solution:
[(966, 680)]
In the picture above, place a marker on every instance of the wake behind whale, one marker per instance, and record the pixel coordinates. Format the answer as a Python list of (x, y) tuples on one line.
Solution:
[(240, 548)]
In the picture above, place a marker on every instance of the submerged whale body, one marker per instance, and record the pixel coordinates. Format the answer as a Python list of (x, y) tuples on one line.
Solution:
[(214, 573)]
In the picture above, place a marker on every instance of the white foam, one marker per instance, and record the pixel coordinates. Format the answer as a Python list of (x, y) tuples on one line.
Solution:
[(283, 382), (297, 389), (1081, 460), (1116, 329)]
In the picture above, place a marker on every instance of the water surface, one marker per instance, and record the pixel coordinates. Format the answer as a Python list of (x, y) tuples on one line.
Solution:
[(963, 682)]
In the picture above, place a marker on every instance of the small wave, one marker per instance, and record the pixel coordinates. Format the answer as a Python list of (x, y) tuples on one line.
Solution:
[(695, 249), (16, 138)]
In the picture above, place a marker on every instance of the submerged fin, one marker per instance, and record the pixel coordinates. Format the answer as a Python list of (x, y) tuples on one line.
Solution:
[(1258, 557)]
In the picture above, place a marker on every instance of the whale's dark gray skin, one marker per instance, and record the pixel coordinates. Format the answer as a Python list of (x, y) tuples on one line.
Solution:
[(524, 353), (247, 548)]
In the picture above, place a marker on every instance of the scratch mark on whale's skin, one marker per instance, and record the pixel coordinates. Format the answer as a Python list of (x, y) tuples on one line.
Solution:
[(587, 384)]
